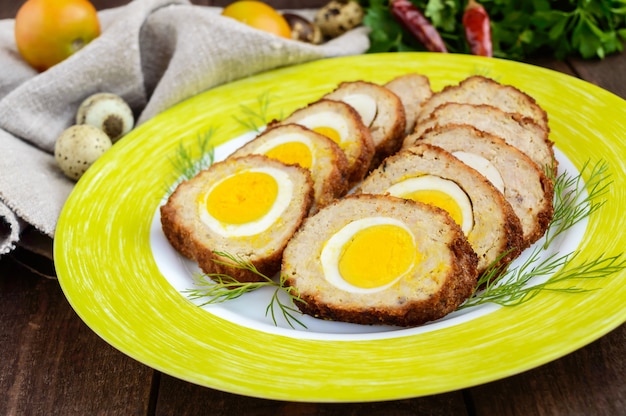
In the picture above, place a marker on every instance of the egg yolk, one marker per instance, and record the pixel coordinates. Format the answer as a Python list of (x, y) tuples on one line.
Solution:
[(439, 199), (329, 132), (292, 153), (242, 198), (377, 255)]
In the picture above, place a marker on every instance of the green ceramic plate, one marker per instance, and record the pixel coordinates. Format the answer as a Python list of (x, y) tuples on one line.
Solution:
[(124, 280)]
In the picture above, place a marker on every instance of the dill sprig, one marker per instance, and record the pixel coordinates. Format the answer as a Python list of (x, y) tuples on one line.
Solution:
[(215, 288), (516, 286), (572, 204), (189, 160), (255, 119)]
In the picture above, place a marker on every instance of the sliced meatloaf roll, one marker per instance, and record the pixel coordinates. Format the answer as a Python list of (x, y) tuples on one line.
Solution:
[(296, 144), (342, 124), (376, 259), (412, 89), (478, 89)]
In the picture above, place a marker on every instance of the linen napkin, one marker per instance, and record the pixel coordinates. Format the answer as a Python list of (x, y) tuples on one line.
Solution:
[(153, 53)]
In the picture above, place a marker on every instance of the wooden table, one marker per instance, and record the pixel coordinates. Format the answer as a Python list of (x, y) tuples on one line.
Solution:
[(52, 363)]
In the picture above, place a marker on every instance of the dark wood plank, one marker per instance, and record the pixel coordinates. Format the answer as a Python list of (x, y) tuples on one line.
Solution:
[(609, 73), (550, 63), (52, 363), (8, 8), (177, 397)]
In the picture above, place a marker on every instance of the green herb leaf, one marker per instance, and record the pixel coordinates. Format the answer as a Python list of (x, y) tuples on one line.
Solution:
[(215, 288), (573, 202), (519, 29), (515, 287), (189, 160), (255, 118)]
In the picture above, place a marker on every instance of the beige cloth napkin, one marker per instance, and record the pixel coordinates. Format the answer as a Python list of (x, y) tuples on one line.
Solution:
[(154, 53)]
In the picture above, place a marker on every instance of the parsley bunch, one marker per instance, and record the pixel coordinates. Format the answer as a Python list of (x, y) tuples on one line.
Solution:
[(561, 28)]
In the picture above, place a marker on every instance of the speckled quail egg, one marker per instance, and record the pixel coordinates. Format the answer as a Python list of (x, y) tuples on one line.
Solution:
[(108, 112), (338, 16), (303, 30), (440, 192), (78, 147)]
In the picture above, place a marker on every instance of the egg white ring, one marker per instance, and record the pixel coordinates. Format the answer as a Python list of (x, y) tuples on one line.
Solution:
[(437, 183), (331, 252), (483, 166), (365, 105), (327, 119), (283, 198), (287, 138)]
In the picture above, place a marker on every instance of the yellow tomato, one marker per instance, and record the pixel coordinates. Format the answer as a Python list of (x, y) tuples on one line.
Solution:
[(258, 15), (48, 31)]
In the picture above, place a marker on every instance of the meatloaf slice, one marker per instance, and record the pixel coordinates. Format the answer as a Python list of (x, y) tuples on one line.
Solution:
[(442, 275)]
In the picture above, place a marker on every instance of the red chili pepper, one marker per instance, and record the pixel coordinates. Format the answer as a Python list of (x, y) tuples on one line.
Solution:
[(417, 24), (477, 29)]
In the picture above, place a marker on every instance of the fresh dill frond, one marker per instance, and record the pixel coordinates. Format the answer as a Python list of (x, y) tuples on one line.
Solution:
[(215, 288), (573, 202), (517, 288), (189, 160), (255, 118), (486, 72), (287, 311)]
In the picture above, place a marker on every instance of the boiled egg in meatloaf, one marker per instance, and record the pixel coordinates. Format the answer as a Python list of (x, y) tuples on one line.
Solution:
[(364, 104), (245, 203), (381, 111), (330, 124), (342, 124), (432, 175), (369, 254), (483, 166), (292, 149), (442, 193), (296, 144)]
